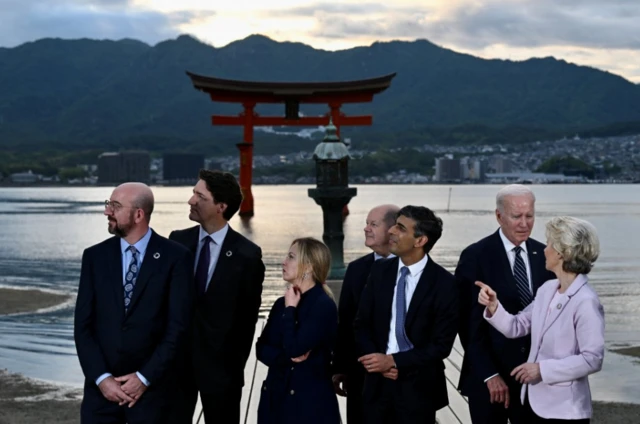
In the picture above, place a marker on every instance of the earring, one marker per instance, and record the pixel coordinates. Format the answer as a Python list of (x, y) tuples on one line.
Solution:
[(304, 276)]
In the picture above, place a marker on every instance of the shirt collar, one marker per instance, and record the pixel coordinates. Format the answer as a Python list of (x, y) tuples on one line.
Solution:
[(218, 236), (416, 268), (140, 245), (508, 246), (377, 256)]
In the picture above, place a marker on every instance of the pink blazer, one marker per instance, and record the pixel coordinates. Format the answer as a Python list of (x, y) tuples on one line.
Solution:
[(568, 344)]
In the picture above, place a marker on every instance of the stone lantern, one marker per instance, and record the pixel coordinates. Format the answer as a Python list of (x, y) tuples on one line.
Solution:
[(332, 193)]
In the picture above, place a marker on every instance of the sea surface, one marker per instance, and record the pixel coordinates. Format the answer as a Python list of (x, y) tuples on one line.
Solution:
[(43, 232)]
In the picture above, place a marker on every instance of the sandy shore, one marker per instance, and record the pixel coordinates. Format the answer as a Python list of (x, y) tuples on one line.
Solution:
[(25, 401), (13, 301)]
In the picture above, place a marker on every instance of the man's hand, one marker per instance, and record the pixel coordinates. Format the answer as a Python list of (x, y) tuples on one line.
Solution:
[(498, 390), (337, 380), (392, 374), (301, 358), (527, 373), (113, 392), (377, 362), (132, 386)]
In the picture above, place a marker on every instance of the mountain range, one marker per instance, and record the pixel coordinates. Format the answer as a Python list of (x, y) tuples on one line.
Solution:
[(81, 94)]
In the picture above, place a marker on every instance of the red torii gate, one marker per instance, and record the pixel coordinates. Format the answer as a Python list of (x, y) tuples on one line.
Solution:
[(292, 94)]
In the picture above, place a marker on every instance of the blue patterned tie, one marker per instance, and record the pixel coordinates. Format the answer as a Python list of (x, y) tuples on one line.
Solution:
[(404, 343), (522, 282), (130, 277)]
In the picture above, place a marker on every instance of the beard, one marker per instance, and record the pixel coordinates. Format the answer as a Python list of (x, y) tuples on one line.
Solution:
[(120, 229)]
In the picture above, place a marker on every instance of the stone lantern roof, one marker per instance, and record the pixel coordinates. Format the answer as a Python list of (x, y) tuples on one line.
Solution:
[(331, 148)]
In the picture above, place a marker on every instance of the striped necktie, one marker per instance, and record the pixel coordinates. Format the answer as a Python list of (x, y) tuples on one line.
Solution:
[(522, 282)]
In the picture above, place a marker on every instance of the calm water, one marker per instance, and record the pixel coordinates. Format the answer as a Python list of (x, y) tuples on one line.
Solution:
[(44, 231)]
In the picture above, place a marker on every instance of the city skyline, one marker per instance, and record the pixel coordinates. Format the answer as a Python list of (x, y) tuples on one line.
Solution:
[(584, 32)]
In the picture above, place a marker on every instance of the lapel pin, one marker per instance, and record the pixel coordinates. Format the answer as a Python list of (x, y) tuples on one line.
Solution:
[(229, 253), (559, 305), (534, 252), (156, 255)]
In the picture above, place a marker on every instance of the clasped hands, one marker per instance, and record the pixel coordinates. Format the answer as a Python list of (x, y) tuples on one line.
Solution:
[(379, 362), (124, 390)]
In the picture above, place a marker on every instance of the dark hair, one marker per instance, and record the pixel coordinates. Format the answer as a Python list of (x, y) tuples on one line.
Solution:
[(390, 217), (427, 224), (224, 188)]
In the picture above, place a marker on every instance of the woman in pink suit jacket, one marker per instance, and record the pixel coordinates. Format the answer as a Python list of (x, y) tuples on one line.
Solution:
[(566, 322)]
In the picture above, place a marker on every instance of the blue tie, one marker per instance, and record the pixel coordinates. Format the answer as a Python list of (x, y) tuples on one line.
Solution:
[(202, 270), (522, 282), (404, 343), (130, 277)]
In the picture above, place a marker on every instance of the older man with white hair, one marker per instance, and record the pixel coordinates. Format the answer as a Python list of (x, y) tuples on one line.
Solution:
[(513, 263)]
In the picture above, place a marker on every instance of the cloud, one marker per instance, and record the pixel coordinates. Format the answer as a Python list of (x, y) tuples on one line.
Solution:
[(27, 20)]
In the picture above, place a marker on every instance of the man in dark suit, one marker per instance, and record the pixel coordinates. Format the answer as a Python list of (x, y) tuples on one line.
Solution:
[(229, 273), (132, 313), (512, 263), (406, 325), (348, 377)]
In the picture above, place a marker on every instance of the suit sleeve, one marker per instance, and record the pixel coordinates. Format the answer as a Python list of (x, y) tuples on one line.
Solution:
[(347, 310), (445, 329), (478, 350), (316, 329), (363, 325), (180, 299), (589, 325), (268, 352), (248, 308), (89, 352)]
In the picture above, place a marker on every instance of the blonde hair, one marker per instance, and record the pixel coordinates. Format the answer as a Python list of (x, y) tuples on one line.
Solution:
[(315, 253), (576, 241)]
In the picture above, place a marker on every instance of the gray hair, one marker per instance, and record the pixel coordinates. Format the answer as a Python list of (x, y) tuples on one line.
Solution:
[(512, 190), (576, 241)]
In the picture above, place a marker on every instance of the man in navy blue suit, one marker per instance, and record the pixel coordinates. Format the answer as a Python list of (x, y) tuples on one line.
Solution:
[(406, 324), (513, 264), (348, 375), (132, 313)]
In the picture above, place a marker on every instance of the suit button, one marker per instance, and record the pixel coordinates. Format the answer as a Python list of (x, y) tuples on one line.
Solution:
[(523, 350), (293, 392), (292, 368), (264, 387)]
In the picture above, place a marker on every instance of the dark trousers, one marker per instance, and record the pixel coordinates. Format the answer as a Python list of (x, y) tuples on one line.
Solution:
[(484, 412), (221, 407), (355, 382), (151, 408), (398, 403), (532, 418)]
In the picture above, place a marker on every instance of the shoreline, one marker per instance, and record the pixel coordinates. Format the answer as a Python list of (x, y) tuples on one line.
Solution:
[(17, 301)]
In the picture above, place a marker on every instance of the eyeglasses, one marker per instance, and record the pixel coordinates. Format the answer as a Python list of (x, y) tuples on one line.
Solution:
[(115, 206)]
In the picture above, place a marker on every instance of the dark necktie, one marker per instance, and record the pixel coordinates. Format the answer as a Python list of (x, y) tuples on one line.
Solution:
[(202, 270), (130, 277), (522, 282), (404, 343)]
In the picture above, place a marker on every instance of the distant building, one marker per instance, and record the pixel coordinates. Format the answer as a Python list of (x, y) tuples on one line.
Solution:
[(448, 170), (25, 177), (532, 178), (182, 167), (502, 165), (122, 167)]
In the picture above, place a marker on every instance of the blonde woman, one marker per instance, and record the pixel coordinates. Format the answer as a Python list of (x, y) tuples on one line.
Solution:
[(297, 342), (566, 322)]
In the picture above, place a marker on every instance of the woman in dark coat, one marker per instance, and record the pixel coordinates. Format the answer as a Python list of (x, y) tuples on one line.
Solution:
[(298, 340)]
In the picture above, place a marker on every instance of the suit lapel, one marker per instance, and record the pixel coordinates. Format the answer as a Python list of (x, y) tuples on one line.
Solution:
[(562, 302), (114, 267), (422, 290), (222, 269), (536, 263), (389, 288), (150, 264), (502, 263)]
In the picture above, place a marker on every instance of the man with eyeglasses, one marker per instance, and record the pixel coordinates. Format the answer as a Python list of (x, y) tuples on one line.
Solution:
[(228, 277), (132, 313)]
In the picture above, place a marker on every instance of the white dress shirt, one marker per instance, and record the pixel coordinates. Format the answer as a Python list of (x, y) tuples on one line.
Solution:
[(215, 245), (377, 256), (415, 272), (508, 246)]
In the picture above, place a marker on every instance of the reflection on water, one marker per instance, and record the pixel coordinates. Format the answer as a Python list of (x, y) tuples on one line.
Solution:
[(44, 231)]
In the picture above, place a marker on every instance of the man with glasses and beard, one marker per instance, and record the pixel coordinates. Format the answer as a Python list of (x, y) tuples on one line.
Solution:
[(132, 312)]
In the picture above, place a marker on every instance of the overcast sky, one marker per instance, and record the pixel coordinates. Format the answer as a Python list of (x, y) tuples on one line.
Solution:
[(600, 33)]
